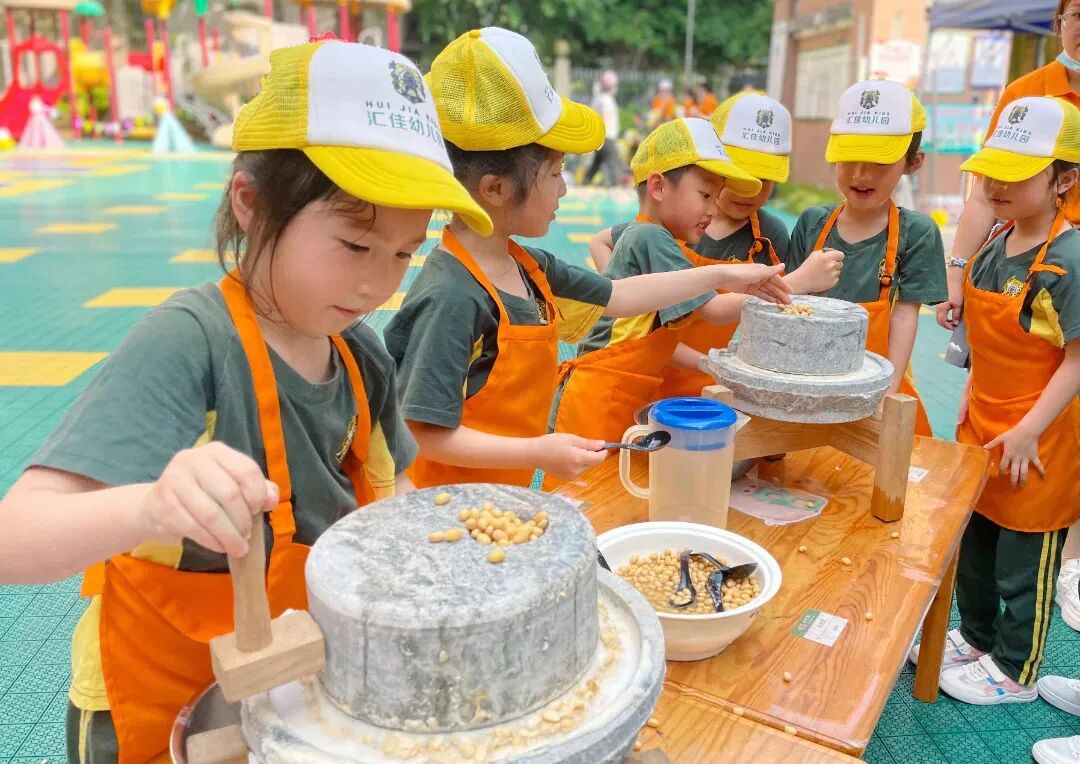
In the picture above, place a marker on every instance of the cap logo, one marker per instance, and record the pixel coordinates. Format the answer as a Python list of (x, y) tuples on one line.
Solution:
[(870, 99), (1018, 115), (407, 82), (765, 118)]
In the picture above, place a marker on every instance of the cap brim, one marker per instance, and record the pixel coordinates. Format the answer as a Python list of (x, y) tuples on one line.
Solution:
[(741, 182), (876, 149), (774, 167), (394, 179), (578, 131), (1005, 165)]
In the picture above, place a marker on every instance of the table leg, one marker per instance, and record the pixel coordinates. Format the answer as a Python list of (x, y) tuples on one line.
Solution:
[(935, 627)]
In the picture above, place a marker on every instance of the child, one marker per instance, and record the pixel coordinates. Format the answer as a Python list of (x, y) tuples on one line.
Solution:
[(161, 466), (476, 339), (1022, 308), (895, 260), (680, 170), (756, 131)]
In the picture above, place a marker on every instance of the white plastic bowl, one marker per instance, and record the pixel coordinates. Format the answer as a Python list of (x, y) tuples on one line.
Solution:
[(695, 637)]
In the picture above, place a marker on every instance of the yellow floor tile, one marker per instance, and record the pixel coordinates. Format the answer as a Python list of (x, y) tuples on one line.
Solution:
[(580, 219), (210, 186), (76, 228), (417, 261), (131, 297), (590, 262), (579, 238), (432, 235), (573, 206), (25, 187), (15, 254), (113, 171), (40, 369), (394, 303), (926, 310), (180, 196), (195, 256), (135, 209)]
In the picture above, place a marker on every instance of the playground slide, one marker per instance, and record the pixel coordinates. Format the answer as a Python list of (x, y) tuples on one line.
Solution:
[(15, 109)]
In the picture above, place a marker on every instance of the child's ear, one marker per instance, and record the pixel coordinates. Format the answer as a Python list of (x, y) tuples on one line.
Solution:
[(1068, 181), (915, 164), (243, 199), (654, 187), (494, 191)]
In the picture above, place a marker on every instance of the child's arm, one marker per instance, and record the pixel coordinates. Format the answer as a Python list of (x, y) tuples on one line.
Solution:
[(685, 357), (402, 484), (636, 295), (58, 523), (903, 326), (601, 247), (965, 398), (1020, 445), (562, 455)]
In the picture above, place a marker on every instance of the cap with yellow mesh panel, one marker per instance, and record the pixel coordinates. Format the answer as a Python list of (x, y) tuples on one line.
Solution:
[(756, 131), (492, 94), (363, 116), (1030, 134), (685, 142), (874, 123)]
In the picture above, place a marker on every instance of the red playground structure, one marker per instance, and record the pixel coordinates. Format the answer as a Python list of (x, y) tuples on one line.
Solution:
[(26, 85)]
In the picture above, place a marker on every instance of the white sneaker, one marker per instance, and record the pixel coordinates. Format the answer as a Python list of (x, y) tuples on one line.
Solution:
[(1060, 692), (1068, 593), (982, 684), (957, 652), (1057, 750)]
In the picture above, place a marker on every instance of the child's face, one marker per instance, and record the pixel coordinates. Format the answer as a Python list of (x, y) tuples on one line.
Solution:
[(687, 205), (534, 216), (867, 186), (741, 207), (1027, 198), (332, 267)]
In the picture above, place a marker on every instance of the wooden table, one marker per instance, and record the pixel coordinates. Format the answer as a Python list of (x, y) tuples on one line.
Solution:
[(693, 731), (837, 693)]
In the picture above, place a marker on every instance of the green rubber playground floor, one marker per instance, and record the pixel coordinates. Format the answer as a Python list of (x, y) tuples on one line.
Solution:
[(90, 239)]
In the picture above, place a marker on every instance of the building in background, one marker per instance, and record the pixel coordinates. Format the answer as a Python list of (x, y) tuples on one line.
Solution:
[(820, 47)]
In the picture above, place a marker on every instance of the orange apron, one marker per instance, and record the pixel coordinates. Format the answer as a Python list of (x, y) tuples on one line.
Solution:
[(1009, 371), (877, 336), (605, 387), (156, 622), (516, 399), (703, 336)]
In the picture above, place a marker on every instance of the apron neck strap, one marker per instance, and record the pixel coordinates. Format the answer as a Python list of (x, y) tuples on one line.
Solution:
[(760, 242), (1058, 227), (892, 245), (354, 462)]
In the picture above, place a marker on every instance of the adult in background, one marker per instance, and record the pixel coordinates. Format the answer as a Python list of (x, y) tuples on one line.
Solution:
[(607, 157)]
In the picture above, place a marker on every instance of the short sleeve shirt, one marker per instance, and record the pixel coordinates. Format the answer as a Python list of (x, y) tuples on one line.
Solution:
[(920, 259), (735, 247)]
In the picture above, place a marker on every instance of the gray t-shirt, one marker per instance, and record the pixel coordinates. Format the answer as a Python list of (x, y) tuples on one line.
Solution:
[(181, 376)]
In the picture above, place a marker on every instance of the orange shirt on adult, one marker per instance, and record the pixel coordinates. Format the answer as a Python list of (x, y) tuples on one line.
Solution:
[(1049, 80)]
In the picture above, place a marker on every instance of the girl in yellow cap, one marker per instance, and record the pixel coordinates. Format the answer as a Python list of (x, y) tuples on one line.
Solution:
[(756, 131), (476, 339), (254, 410), (1022, 308), (894, 259)]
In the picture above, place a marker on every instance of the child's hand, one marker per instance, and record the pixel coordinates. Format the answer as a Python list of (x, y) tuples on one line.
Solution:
[(208, 494), (566, 456), (764, 281), (819, 273), (1020, 449), (962, 413)]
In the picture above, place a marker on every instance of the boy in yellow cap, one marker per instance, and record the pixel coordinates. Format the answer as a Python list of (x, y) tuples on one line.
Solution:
[(680, 170), (894, 258), (756, 131), (476, 339), (1022, 308)]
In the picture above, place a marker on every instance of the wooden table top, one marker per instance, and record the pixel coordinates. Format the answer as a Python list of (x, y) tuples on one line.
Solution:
[(693, 731), (837, 693)]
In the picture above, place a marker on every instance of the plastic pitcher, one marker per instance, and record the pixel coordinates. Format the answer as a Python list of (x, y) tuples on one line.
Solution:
[(689, 479)]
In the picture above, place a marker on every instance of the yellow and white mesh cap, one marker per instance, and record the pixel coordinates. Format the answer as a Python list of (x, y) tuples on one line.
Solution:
[(874, 123), (492, 94), (685, 142), (1030, 134), (756, 131), (364, 117)]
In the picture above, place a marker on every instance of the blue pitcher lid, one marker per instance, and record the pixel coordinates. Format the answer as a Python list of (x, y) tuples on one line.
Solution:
[(693, 414)]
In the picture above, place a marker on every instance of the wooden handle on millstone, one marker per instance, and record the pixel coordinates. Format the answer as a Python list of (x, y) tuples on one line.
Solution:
[(251, 608)]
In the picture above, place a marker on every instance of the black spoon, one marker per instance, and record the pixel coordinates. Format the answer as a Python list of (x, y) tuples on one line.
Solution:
[(654, 441)]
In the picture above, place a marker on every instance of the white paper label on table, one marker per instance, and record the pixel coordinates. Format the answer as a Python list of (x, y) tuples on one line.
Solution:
[(916, 474), (774, 504), (823, 628)]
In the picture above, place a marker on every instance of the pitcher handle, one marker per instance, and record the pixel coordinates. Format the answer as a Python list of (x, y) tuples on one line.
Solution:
[(624, 460)]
